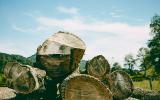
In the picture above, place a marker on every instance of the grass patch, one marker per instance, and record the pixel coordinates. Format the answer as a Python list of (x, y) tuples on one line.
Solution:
[(145, 84)]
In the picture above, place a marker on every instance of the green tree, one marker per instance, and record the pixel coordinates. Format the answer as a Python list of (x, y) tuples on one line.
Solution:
[(4, 58), (154, 43), (116, 66), (143, 58), (130, 62)]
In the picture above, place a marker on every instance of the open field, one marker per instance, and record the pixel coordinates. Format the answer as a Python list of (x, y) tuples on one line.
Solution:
[(145, 84)]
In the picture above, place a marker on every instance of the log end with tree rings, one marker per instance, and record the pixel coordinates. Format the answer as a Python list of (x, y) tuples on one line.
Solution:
[(25, 83), (10, 68), (23, 78), (7, 93), (120, 84), (60, 54), (98, 67), (84, 87)]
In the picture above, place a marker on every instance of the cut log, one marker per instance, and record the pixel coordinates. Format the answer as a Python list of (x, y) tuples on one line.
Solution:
[(84, 87), (144, 94), (130, 98), (60, 54), (7, 93), (23, 78), (120, 84), (98, 67)]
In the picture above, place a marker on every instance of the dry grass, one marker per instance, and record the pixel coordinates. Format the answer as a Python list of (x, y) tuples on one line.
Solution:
[(145, 84)]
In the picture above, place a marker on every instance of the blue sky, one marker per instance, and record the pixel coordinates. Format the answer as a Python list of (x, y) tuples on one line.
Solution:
[(112, 28)]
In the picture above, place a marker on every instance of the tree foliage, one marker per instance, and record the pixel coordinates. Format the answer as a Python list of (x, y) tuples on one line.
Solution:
[(4, 58), (116, 66), (154, 43), (144, 58), (130, 62)]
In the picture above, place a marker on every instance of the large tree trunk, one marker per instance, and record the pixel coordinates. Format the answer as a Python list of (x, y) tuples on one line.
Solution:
[(60, 54), (84, 87), (98, 67), (23, 78)]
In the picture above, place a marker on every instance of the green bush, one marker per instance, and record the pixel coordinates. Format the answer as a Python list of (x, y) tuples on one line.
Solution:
[(2, 80)]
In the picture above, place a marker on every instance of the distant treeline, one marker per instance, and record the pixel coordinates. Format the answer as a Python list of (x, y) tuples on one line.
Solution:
[(4, 58)]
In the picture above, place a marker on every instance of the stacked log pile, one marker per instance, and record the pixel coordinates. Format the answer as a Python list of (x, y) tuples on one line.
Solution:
[(58, 76)]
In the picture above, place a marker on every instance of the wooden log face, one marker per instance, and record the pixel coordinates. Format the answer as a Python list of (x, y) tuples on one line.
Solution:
[(120, 84), (98, 67), (7, 93), (84, 87), (23, 78), (55, 66), (60, 54), (25, 83), (12, 69), (7, 69)]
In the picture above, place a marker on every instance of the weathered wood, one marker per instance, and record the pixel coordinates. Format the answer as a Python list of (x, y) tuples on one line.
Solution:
[(23, 78), (7, 93), (144, 94), (130, 98), (60, 54), (120, 85), (84, 87), (98, 67)]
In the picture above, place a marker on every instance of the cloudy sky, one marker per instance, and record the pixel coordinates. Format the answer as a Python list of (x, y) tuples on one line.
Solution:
[(112, 28)]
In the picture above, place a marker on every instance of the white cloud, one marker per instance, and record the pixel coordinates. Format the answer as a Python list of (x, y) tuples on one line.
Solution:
[(67, 10), (111, 39), (11, 48), (115, 15), (113, 47), (126, 39), (98, 26), (24, 30), (15, 27)]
